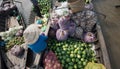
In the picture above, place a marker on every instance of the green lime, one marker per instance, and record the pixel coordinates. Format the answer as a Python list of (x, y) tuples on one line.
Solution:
[(68, 52), (84, 63), (84, 52), (77, 60), (75, 66), (82, 44), (78, 56), (75, 52), (68, 60), (81, 49), (64, 49), (75, 46), (83, 56), (63, 52), (64, 57), (90, 45), (70, 63), (70, 67), (93, 54), (73, 59), (79, 66), (66, 65), (79, 52), (79, 63), (82, 59), (63, 62), (58, 50), (72, 52), (71, 55)]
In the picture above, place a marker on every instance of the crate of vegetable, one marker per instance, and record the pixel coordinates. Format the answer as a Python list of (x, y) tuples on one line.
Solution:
[(76, 39), (15, 52)]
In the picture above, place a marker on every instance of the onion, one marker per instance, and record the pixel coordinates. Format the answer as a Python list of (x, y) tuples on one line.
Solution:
[(19, 33), (89, 6), (89, 37), (52, 62), (61, 34)]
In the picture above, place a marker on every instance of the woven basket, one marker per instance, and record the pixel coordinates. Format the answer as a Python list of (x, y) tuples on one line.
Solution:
[(76, 5)]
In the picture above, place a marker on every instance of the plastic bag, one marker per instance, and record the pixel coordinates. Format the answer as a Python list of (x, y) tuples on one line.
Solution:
[(92, 65), (50, 61)]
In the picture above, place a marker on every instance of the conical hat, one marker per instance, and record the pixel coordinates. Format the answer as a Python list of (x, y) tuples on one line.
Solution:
[(31, 33)]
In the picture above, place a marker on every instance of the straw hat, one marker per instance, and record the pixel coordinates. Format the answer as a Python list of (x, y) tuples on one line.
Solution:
[(31, 33)]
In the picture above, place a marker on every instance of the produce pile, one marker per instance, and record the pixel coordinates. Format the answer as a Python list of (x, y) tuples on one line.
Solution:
[(13, 37), (14, 41), (72, 54), (71, 36), (81, 25), (92, 65), (50, 61), (45, 6), (12, 32)]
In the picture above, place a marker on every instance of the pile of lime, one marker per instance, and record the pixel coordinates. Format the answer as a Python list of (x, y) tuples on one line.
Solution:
[(71, 53), (14, 41), (45, 6)]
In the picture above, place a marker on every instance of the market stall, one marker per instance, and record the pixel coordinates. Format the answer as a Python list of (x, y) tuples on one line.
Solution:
[(72, 36), (64, 35), (71, 31), (12, 41)]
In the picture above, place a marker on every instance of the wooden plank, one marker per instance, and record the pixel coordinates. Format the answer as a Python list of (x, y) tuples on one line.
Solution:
[(12, 22), (18, 62), (103, 48), (0, 59), (7, 61)]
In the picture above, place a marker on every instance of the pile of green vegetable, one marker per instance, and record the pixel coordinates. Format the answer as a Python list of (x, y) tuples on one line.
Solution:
[(45, 6), (71, 53), (14, 41)]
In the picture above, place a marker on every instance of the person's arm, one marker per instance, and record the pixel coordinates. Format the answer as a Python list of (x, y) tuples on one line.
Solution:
[(35, 2)]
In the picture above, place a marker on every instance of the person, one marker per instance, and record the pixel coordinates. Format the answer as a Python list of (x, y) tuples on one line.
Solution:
[(2, 42), (36, 7), (117, 6)]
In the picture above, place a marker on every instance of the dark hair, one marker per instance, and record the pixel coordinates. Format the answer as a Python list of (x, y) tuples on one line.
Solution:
[(0, 38)]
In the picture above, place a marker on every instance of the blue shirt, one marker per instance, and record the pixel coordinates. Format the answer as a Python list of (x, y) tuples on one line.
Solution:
[(2, 43), (39, 45)]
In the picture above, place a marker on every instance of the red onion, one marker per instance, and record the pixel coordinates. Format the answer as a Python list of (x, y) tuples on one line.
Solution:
[(51, 62), (61, 34), (89, 6), (19, 33), (89, 37)]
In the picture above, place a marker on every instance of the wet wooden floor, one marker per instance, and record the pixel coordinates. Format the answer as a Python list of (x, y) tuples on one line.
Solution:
[(111, 28)]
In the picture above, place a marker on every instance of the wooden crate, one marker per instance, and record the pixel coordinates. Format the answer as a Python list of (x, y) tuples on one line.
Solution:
[(101, 49)]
